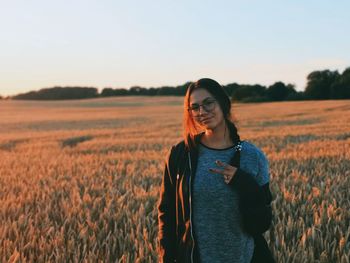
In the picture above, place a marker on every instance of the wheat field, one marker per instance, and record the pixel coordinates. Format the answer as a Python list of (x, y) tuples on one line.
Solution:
[(79, 180)]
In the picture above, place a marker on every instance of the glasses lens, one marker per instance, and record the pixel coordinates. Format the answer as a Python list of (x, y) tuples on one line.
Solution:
[(209, 105)]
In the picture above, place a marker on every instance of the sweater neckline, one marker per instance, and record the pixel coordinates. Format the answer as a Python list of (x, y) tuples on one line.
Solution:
[(218, 149)]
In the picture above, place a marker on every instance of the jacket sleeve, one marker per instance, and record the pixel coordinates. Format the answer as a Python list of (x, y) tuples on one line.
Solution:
[(255, 199), (166, 214)]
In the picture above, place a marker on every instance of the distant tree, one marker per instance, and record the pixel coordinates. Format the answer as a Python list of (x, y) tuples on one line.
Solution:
[(107, 92), (121, 92), (166, 90), (136, 90), (341, 87), (319, 84), (249, 92), (231, 88), (31, 95), (59, 93), (298, 95), (151, 91), (181, 89), (279, 91)]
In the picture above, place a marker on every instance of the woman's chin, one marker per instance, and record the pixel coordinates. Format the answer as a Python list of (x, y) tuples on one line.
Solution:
[(208, 126)]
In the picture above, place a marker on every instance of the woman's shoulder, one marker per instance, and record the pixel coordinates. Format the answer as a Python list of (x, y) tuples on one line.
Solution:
[(179, 145), (250, 147), (255, 155), (176, 149)]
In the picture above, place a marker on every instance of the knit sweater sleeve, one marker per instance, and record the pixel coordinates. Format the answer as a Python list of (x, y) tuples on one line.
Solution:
[(255, 196)]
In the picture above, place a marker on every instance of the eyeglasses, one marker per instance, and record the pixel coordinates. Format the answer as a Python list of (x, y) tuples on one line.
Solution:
[(207, 105)]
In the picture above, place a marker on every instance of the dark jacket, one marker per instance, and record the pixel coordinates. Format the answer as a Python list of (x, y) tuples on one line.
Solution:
[(176, 240)]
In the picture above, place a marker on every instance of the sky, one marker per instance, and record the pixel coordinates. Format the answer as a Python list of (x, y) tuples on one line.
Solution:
[(121, 44)]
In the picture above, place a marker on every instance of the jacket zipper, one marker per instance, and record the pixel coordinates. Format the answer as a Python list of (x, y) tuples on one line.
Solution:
[(190, 186)]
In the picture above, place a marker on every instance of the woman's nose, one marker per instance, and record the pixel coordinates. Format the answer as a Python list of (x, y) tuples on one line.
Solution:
[(202, 110)]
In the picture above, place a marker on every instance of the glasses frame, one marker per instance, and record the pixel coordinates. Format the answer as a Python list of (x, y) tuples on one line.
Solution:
[(204, 107)]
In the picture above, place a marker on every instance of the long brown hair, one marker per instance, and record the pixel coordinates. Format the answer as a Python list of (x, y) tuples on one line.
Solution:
[(218, 92)]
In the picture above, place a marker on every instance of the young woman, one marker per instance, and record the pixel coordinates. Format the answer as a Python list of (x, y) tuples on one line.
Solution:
[(215, 198)]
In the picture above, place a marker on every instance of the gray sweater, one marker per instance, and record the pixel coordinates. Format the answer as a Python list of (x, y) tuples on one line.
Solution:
[(216, 217)]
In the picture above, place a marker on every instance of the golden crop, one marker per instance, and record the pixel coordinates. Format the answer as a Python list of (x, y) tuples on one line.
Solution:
[(79, 180)]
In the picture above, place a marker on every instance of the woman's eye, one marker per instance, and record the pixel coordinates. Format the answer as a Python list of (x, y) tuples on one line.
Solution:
[(195, 108)]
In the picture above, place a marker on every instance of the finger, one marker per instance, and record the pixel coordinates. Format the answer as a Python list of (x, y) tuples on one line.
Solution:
[(228, 177), (228, 169), (226, 166), (220, 163), (217, 171), (225, 173)]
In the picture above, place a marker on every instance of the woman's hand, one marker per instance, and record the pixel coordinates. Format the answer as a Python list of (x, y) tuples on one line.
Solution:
[(228, 172)]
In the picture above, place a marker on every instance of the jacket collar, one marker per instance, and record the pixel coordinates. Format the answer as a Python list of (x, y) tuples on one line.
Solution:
[(193, 145), (193, 151)]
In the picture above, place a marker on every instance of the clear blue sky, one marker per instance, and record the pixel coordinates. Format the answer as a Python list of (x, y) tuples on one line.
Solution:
[(154, 43)]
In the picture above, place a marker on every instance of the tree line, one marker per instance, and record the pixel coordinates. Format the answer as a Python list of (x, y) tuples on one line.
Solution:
[(321, 85), (59, 93)]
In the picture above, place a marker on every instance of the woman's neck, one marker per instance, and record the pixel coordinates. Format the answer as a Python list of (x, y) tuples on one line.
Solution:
[(218, 138)]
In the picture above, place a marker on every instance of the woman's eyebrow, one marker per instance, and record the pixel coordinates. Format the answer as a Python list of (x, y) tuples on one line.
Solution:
[(202, 100)]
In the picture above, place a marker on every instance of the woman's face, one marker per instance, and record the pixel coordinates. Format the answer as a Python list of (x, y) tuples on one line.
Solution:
[(205, 110)]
